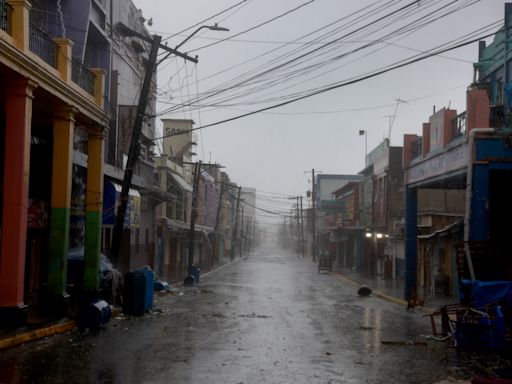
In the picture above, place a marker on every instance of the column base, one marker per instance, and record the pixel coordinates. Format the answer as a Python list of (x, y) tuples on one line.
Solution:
[(13, 316), (57, 305), (90, 295)]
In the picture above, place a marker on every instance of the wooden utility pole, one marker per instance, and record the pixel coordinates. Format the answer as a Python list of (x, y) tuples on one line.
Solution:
[(301, 227), (235, 229), (315, 249), (133, 152), (193, 216)]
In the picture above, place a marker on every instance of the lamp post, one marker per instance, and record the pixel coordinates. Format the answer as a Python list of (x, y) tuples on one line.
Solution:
[(214, 27), (133, 152)]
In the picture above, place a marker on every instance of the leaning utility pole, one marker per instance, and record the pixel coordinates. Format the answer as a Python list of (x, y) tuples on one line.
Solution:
[(234, 236), (301, 227), (315, 250), (134, 150), (193, 216)]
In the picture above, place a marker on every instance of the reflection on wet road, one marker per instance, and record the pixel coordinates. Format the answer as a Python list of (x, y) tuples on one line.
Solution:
[(268, 318)]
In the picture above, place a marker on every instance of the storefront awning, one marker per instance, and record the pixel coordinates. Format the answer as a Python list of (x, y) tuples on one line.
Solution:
[(181, 182), (454, 227), (111, 194)]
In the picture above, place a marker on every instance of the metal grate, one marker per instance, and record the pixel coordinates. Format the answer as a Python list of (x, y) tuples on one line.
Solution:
[(42, 45)]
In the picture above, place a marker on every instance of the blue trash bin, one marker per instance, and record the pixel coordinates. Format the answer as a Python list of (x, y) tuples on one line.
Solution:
[(150, 288), (134, 295)]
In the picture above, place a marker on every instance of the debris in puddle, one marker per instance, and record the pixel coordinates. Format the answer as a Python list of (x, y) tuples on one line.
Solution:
[(255, 316), (364, 291), (406, 343)]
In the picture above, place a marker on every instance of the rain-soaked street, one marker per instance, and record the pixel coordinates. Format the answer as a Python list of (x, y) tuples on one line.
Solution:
[(266, 318)]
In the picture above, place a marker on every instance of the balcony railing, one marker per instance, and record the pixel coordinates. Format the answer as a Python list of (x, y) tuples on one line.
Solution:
[(82, 76), (43, 45), (5, 17)]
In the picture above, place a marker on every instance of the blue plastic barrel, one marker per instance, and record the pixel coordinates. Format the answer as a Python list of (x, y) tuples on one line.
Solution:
[(161, 286), (189, 281), (150, 287), (94, 315), (134, 295)]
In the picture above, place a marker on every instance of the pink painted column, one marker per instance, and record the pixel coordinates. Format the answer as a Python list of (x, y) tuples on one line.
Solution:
[(18, 108)]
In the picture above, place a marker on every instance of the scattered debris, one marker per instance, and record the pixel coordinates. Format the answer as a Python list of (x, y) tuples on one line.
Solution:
[(161, 286), (451, 380), (255, 316), (364, 291), (189, 281), (411, 343)]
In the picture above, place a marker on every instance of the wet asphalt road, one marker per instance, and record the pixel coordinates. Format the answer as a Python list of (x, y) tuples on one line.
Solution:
[(267, 318)]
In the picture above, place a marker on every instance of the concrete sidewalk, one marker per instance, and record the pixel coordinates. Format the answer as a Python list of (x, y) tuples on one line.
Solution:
[(39, 327), (388, 289), (12, 337)]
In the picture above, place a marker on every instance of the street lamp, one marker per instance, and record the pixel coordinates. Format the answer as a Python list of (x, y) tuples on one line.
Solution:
[(214, 27)]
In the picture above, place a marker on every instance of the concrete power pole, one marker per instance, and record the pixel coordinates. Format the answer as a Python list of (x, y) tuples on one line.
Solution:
[(301, 227), (313, 198), (193, 216), (235, 229), (297, 232), (242, 233), (217, 219)]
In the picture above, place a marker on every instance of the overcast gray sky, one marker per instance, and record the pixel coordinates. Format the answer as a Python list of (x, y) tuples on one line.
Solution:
[(287, 57)]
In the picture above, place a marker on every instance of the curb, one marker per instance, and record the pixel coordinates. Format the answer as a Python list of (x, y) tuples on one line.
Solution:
[(392, 299), (37, 334)]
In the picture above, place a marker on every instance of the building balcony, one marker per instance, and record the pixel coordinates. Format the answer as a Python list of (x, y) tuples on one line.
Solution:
[(25, 39), (43, 45), (82, 76)]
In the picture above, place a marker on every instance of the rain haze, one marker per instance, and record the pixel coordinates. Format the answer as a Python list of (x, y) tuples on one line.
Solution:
[(277, 52)]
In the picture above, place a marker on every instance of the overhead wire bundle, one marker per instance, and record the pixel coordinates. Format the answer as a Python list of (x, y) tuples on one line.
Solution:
[(293, 68)]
